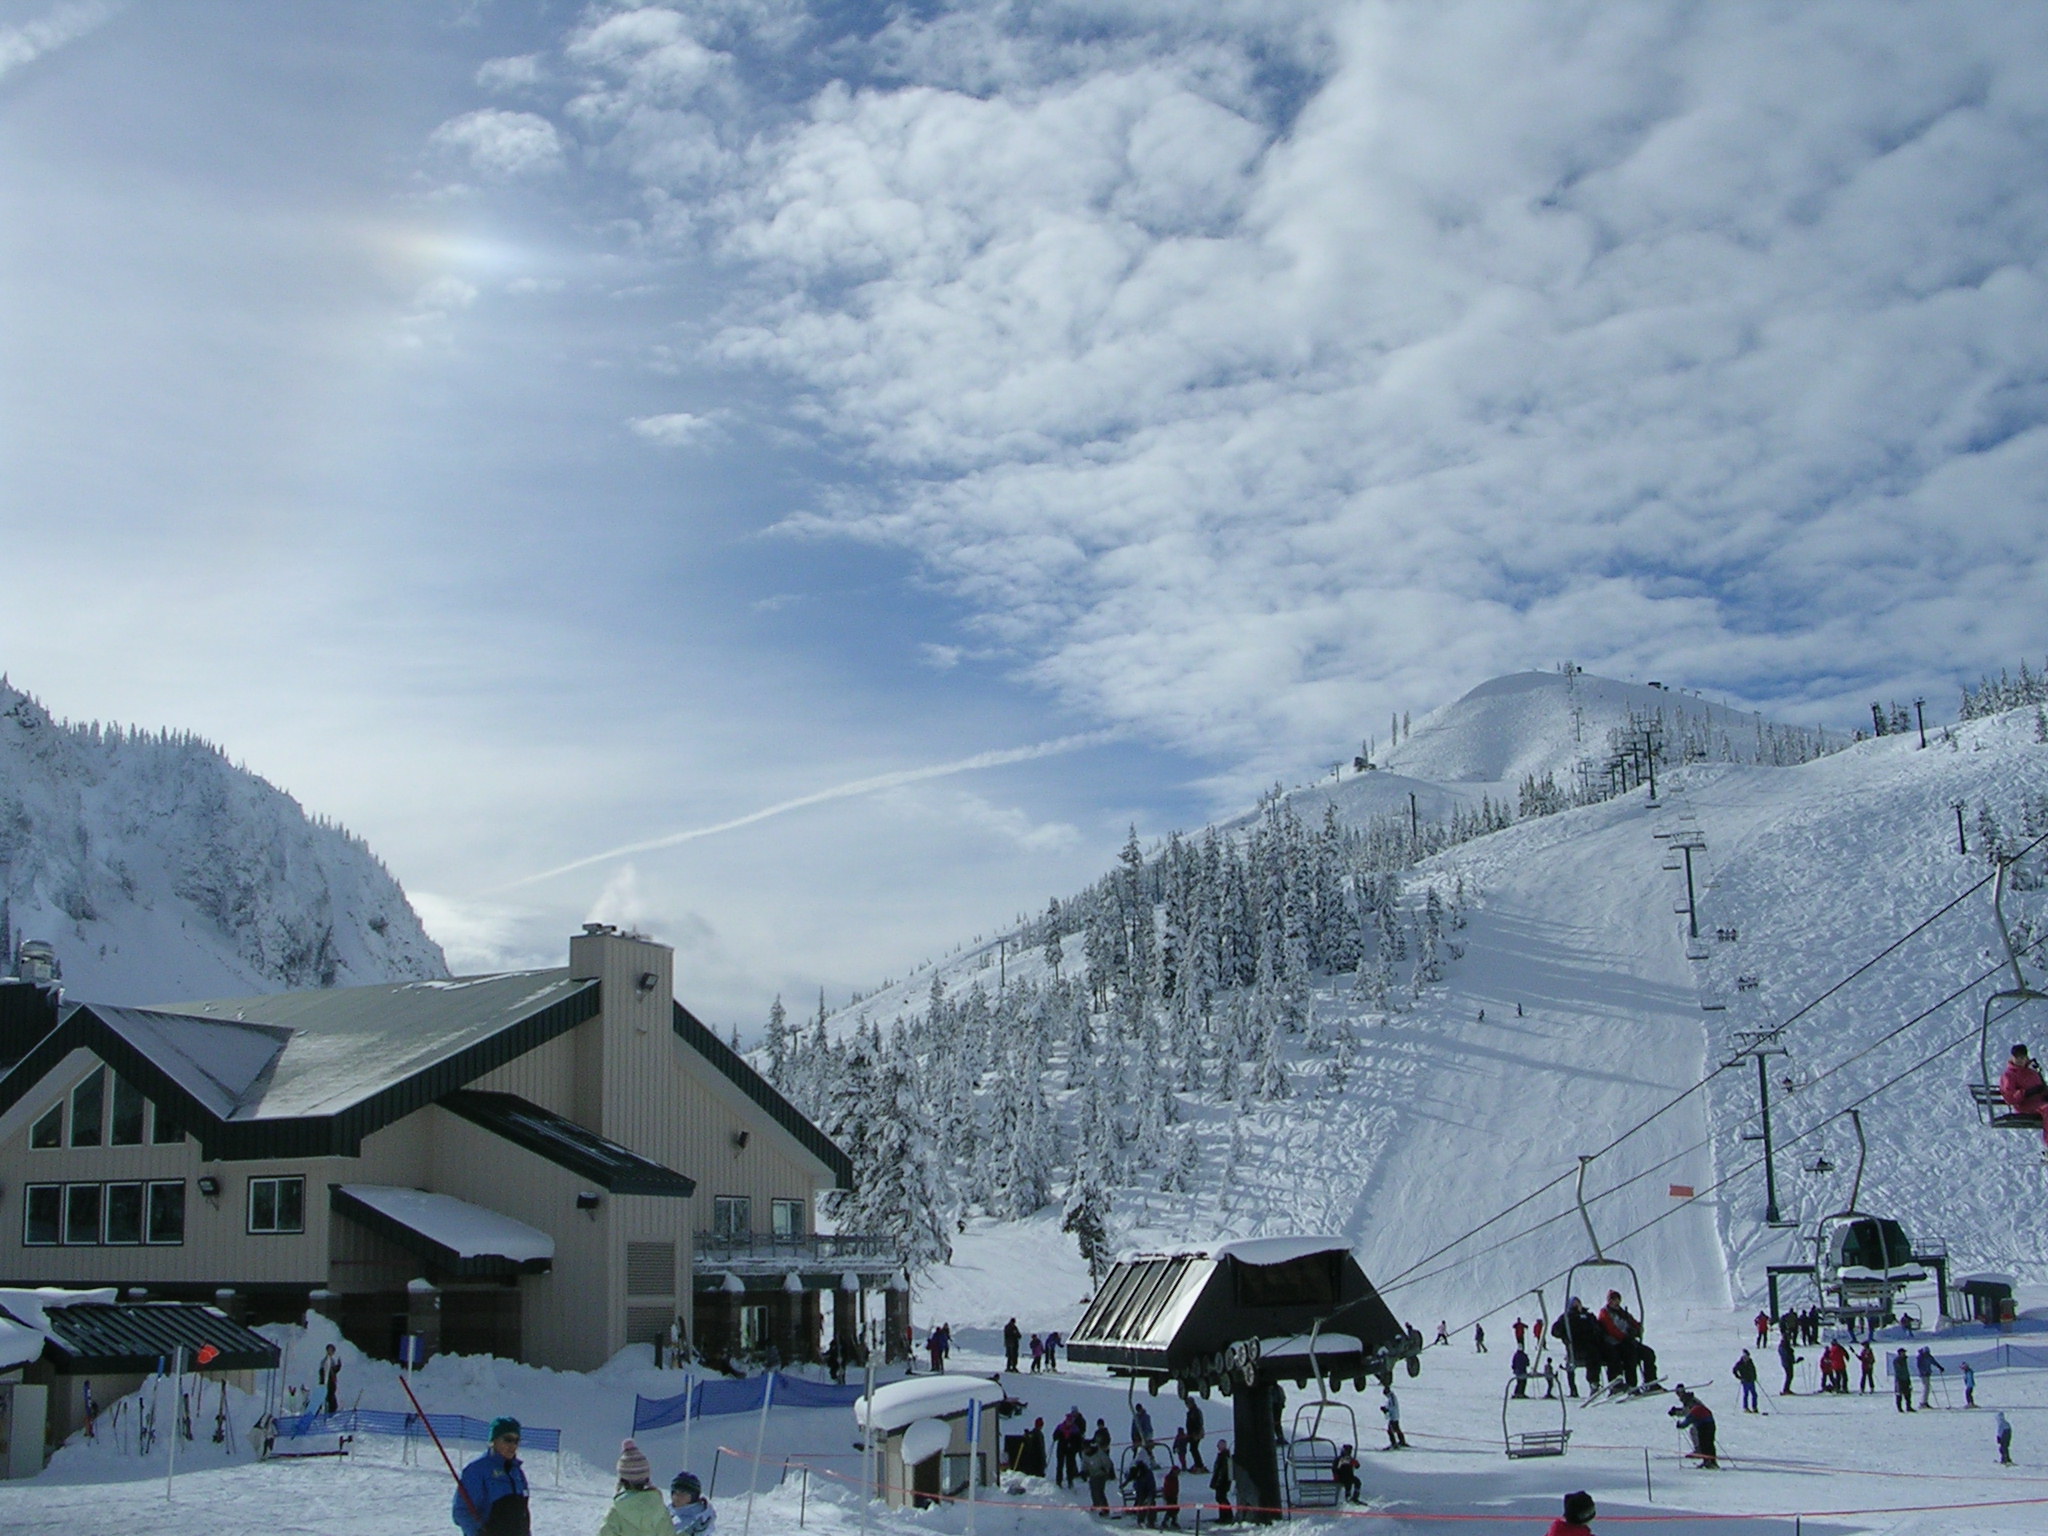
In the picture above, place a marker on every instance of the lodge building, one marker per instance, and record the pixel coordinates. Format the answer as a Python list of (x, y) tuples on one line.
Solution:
[(544, 1165)]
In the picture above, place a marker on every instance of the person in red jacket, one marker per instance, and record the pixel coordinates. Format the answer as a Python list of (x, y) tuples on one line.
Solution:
[(1579, 1512), (2024, 1093)]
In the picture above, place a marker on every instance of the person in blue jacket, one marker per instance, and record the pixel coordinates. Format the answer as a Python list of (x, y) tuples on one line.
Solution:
[(491, 1500)]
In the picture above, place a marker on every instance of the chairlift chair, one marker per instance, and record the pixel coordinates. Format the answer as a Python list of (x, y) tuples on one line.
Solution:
[(1864, 1260), (1521, 1444), (2018, 998), (1320, 1426), (1597, 1265)]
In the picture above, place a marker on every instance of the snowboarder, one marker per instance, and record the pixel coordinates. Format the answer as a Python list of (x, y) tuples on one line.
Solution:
[(1391, 1407), (1031, 1450), (1579, 1514), (1745, 1372), (1345, 1469), (1694, 1415), (491, 1494), (1195, 1428), (1763, 1329), (1928, 1365), (330, 1378), (1013, 1339), (1969, 1385), (1479, 1338), (1144, 1490), (1867, 1358), (637, 1510), (1787, 1359), (1519, 1364), (2024, 1093), (1219, 1483), (1037, 1354), (691, 1513), (2004, 1440), (1902, 1381)]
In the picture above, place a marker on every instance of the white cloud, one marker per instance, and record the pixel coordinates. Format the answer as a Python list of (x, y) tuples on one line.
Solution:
[(676, 429), (30, 40), (501, 144), (510, 76)]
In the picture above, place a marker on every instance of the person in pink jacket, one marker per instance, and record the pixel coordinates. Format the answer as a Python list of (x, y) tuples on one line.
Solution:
[(2021, 1087)]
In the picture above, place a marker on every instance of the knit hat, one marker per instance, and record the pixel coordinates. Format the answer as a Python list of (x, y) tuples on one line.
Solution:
[(633, 1467), (503, 1426), (1579, 1507)]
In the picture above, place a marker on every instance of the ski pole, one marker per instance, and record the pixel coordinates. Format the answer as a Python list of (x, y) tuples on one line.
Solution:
[(460, 1487)]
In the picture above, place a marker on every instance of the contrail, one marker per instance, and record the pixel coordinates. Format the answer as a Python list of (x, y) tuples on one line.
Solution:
[(836, 792)]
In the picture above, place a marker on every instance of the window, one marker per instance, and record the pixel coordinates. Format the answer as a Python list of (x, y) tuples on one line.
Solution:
[(166, 1212), (43, 1216), (48, 1131), (124, 1127), (732, 1216), (166, 1129), (81, 1215), (277, 1205), (788, 1216), (87, 1099), (124, 1213), (753, 1327)]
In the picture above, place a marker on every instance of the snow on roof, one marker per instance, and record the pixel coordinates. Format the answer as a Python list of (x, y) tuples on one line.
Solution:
[(19, 1344), (902, 1403), (1279, 1250), (469, 1231), (25, 1318)]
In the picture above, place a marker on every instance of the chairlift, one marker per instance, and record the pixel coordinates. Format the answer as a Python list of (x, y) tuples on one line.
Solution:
[(2019, 998), (1521, 1444), (1321, 1425), (1864, 1260), (1598, 1263)]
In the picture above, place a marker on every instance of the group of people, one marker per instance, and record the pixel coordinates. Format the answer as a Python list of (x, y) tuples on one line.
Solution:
[(1151, 1481), (1607, 1345), (491, 1496), (1045, 1352)]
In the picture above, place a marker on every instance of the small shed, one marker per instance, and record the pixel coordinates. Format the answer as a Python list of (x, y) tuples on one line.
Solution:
[(915, 1433), (1990, 1298)]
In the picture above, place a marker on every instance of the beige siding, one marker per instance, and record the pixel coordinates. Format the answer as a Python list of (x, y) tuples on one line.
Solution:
[(545, 1075)]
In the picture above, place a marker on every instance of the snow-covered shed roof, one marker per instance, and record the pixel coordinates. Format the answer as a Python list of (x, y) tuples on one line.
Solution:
[(902, 1403), (463, 1239), (25, 1318)]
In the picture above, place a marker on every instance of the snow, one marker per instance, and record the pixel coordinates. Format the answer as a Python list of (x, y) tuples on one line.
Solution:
[(1279, 1250), (25, 1318), (470, 1231), (921, 1397)]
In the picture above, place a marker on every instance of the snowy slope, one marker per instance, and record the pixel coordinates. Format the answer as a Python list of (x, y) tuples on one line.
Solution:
[(160, 870)]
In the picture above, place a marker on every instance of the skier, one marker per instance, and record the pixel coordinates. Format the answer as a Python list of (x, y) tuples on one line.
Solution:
[(1867, 1358), (1066, 1444), (688, 1510), (1052, 1350), (2004, 1440), (1013, 1338), (1763, 1329), (1037, 1354), (1519, 1364), (491, 1494), (1696, 1416), (1969, 1385), (1902, 1381), (1391, 1407), (1745, 1372), (330, 1378), (636, 1510), (1345, 1468), (1479, 1338), (1623, 1336), (2024, 1093), (1219, 1483), (1195, 1428), (1180, 1446), (1098, 1469), (1443, 1331), (935, 1346), (1537, 1326), (1787, 1359), (1141, 1424), (1144, 1491), (1579, 1514), (1521, 1333), (1928, 1365), (1169, 1500)]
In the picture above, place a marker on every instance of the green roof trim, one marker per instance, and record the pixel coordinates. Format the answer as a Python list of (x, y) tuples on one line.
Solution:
[(705, 1042)]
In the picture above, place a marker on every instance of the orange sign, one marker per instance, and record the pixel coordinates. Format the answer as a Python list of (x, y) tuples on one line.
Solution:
[(1681, 1191)]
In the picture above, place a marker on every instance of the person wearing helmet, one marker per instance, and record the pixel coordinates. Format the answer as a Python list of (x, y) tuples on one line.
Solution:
[(688, 1510), (1579, 1511)]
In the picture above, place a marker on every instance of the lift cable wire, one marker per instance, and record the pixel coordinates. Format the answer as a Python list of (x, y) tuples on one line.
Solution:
[(1890, 949)]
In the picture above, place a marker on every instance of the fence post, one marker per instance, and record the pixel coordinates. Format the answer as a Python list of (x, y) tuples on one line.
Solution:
[(803, 1501), (715, 1455), (1648, 1494)]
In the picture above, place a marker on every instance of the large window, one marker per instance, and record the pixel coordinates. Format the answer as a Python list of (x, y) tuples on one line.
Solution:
[(88, 1099), (49, 1130), (124, 1125), (82, 1215), (166, 1213), (788, 1216), (165, 1128), (277, 1205), (43, 1220), (124, 1213), (732, 1215)]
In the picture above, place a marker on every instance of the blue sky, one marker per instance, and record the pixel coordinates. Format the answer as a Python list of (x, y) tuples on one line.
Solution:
[(529, 430)]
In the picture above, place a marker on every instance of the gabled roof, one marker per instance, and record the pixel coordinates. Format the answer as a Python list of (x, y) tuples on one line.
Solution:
[(705, 1042), (310, 1074), (575, 1147)]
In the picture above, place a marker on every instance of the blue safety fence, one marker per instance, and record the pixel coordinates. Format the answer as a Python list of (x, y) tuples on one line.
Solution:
[(708, 1399), (408, 1426)]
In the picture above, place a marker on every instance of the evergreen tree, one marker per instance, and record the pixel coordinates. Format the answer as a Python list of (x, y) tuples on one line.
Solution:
[(777, 1043)]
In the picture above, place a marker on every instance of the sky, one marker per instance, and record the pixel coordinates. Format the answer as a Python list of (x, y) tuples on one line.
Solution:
[(805, 479)]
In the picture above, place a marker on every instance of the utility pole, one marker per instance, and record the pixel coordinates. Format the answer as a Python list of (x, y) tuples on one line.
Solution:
[(1762, 1045), (1920, 711), (1962, 842), (1415, 827), (1686, 845)]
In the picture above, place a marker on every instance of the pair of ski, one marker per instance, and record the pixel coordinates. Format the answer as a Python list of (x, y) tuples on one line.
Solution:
[(1611, 1392)]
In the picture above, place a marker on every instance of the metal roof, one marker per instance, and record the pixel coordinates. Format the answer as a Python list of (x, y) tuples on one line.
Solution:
[(417, 1236), (575, 1147), (136, 1337)]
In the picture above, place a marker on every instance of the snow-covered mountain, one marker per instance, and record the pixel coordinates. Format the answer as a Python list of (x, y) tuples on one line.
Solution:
[(158, 869), (1573, 1012)]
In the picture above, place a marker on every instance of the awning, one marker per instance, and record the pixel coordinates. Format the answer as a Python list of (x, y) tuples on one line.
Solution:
[(107, 1339), (461, 1240)]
